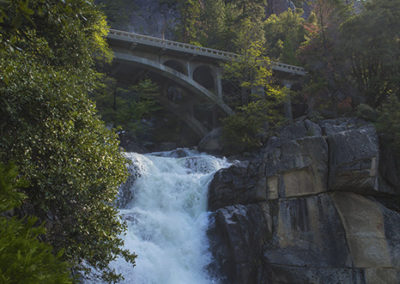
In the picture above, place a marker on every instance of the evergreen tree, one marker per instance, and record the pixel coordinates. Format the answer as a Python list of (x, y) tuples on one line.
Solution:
[(257, 109), (190, 21)]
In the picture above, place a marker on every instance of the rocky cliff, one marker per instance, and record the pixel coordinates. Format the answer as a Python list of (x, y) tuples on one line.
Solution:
[(160, 18), (320, 204), (154, 17)]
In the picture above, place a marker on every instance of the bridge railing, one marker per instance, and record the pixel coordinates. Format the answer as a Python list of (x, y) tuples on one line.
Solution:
[(198, 50), (288, 68), (145, 39)]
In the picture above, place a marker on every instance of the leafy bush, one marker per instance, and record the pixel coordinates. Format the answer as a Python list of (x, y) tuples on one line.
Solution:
[(389, 122), (128, 106), (370, 39), (366, 112), (51, 129), (246, 130), (23, 258)]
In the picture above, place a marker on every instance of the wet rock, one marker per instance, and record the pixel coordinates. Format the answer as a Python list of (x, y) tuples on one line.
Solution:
[(389, 169), (236, 185), (353, 160), (199, 164), (372, 236), (167, 146), (326, 204), (308, 233), (313, 129), (307, 275), (296, 167), (178, 153), (332, 126), (125, 195), (364, 225), (294, 131), (244, 225), (212, 142)]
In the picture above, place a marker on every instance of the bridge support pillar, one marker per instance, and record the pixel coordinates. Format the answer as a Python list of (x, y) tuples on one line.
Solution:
[(288, 102), (190, 69), (218, 83)]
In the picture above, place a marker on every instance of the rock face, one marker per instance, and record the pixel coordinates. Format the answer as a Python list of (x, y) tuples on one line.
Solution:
[(152, 17), (159, 19), (212, 142), (279, 6), (126, 194), (317, 206)]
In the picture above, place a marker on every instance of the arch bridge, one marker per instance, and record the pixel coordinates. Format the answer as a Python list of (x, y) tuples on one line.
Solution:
[(193, 68)]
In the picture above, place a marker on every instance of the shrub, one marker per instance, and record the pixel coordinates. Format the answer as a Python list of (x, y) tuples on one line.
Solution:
[(246, 130), (23, 257), (389, 122)]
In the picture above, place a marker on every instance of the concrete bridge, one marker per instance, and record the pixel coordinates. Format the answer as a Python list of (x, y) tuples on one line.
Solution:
[(195, 69)]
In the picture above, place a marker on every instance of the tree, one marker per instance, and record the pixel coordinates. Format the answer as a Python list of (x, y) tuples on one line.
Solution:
[(190, 21), (371, 41), (128, 105), (119, 12), (51, 129), (389, 122), (213, 24), (284, 34), (24, 258), (328, 86), (257, 112), (218, 23)]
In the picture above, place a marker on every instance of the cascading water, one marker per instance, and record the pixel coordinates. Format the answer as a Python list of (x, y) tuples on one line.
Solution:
[(167, 218)]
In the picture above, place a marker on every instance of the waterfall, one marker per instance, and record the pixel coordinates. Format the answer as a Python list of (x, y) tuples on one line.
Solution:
[(167, 218)]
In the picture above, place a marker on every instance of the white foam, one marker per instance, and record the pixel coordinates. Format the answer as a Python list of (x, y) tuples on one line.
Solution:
[(167, 220)]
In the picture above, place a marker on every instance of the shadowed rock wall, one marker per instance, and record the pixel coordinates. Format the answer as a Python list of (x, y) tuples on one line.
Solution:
[(317, 206)]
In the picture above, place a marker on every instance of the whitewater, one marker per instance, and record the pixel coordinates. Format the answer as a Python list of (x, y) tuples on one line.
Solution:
[(167, 218)]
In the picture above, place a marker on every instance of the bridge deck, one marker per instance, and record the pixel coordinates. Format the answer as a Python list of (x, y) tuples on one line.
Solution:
[(193, 49)]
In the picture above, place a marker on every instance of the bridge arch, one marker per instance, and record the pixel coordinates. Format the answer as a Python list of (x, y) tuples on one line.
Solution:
[(205, 76), (179, 78), (176, 65)]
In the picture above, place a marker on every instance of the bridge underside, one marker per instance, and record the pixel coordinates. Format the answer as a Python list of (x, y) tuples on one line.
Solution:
[(195, 70), (180, 95)]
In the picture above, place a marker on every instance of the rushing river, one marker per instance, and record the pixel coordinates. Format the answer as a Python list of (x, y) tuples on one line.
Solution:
[(167, 218)]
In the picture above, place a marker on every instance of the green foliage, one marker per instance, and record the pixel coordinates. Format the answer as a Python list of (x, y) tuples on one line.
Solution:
[(322, 55), (371, 42), (366, 112), (250, 125), (213, 19), (118, 12), (23, 258), (251, 71), (258, 107), (51, 129), (127, 107), (389, 122), (284, 34), (10, 197), (189, 27), (355, 53), (220, 24)]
